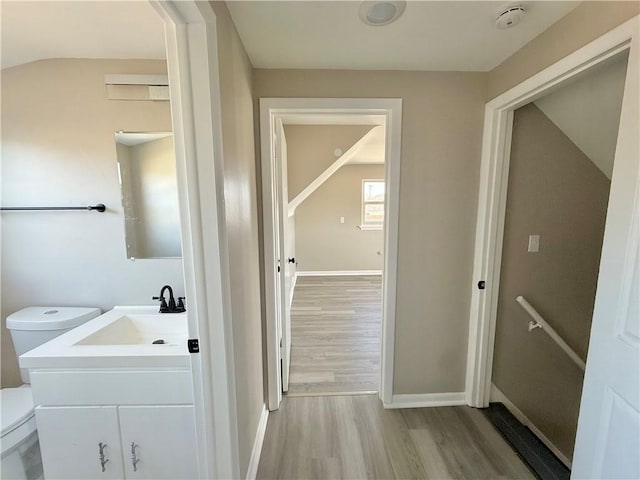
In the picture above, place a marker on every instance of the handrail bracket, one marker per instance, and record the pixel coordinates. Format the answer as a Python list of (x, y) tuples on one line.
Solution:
[(533, 325)]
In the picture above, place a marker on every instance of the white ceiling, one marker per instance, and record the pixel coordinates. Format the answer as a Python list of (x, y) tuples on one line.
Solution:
[(33, 31), (431, 35), (440, 35)]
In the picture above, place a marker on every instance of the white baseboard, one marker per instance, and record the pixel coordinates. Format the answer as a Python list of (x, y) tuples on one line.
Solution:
[(337, 273), (254, 460), (427, 400), (497, 396)]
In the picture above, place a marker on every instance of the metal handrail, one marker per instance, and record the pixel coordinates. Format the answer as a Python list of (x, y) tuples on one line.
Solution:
[(539, 322)]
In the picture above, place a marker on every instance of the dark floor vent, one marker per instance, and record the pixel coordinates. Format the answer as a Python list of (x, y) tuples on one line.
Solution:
[(541, 460)]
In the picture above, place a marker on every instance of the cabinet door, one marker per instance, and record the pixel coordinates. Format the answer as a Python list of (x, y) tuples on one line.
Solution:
[(70, 442), (161, 440)]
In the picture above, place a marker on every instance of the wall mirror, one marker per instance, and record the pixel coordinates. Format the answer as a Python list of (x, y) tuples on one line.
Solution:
[(147, 175)]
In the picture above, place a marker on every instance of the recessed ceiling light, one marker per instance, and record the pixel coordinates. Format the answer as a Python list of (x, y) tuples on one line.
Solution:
[(378, 13)]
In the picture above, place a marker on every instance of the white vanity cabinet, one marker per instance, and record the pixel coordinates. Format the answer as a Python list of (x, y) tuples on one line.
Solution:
[(88, 418), (115, 442), (160, 440), (111, 403), (71, 439)]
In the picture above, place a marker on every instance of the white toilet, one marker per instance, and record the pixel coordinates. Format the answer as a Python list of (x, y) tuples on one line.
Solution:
[(30, 328)]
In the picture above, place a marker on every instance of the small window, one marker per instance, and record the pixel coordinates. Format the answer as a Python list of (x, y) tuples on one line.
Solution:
[(372, 204)]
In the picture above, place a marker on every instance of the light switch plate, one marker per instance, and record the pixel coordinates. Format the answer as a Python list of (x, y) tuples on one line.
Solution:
[(534, 243), (341, 219)]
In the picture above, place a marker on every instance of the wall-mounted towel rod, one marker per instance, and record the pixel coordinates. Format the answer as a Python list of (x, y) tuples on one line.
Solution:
[(98, 208), (539, 322)]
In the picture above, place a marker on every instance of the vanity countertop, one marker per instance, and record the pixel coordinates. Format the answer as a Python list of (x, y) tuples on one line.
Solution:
[(120, 338)]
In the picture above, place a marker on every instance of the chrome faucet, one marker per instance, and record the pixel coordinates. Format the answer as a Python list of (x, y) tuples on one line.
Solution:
[(171, 307)]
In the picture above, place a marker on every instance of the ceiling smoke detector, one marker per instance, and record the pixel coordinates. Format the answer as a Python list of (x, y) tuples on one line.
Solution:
[(378, 13), (509, 17)]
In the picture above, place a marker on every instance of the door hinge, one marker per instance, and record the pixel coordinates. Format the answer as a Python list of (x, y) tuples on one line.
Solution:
[(193, 345), (482, 285)]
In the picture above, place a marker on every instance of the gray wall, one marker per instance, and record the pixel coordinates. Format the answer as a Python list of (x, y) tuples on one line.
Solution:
[(556, 192), (58, 148), (441, 140), (242, 229), (322, 242)]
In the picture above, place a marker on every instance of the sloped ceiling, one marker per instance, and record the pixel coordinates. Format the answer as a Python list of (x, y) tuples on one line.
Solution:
[(588, 109), (33, 31)]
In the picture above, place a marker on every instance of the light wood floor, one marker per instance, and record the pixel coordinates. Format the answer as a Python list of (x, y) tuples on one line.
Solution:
[(354, 437), (335, 335)]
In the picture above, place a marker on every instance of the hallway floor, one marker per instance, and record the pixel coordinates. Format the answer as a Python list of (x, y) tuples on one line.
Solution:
[(355, 437), (335, 335)]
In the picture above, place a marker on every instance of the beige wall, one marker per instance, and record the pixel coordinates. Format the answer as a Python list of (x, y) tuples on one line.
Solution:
[(322, 242), (58, 148), (556, 192), (441, 139), (582, 25), (242, 229), (310, 150)]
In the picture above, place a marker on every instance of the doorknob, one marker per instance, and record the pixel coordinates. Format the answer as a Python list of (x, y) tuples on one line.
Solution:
[(292, 260)]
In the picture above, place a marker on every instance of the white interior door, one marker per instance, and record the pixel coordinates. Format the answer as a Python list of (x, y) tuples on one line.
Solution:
[(284, 278), (278, 257), (287, 255), (608, 437)]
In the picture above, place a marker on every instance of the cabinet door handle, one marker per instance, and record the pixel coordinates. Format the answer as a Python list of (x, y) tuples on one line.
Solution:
[(134, 457), (103, 459)]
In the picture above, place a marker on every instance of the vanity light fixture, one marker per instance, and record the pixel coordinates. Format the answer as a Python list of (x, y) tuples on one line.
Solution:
[(378, 13)]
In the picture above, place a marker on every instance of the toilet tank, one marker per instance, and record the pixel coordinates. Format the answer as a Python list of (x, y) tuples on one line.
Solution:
[(33, 326)]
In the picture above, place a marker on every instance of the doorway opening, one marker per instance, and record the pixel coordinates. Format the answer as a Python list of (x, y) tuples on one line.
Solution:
[(335, 180), (536, 291), (561, 160), (330, 176)]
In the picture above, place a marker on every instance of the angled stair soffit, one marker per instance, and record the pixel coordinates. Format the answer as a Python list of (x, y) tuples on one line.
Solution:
[(347, 157), (311, 149), (588, 110)]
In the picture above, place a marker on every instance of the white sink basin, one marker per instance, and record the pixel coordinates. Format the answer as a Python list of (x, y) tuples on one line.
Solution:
[(122, 337), (165, 329)]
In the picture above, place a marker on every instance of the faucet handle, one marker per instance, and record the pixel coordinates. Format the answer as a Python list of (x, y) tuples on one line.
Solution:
[(180, 307), (163, 304)]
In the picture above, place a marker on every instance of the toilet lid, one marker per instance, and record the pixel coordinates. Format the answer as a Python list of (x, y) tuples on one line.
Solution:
[(16, 405)]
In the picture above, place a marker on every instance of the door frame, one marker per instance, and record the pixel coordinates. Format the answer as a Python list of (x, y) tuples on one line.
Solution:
[(494, 174), (270, 110), (194, 85)]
